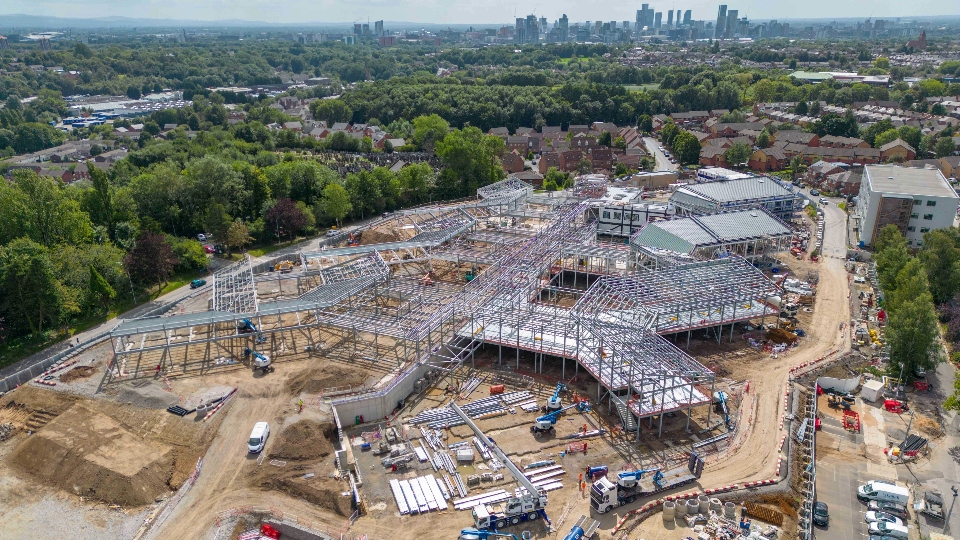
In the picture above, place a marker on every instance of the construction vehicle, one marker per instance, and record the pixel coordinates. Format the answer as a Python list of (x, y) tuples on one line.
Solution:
[(554, 403), (596, 471), (931, 505), (260, 361), (476, 534), (547, 422), (284, 267), (529, 505), (789, 311), (606, 495), (584, 528), (353, 240), (844, 401), (247, 327), (720, 399)]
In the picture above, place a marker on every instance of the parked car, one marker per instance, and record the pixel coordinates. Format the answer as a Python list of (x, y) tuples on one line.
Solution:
[(821, 514), (875, 516), (201, 237), (209, 249), (859, 279), (197, 283), (891, 508), (814, 193), (891, 530), (333, 232)]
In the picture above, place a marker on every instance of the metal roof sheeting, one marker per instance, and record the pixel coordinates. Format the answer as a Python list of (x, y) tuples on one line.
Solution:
[(684, 234), (737, 190)]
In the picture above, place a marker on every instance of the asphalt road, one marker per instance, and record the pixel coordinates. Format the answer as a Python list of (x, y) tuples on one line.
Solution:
[(653, 148)]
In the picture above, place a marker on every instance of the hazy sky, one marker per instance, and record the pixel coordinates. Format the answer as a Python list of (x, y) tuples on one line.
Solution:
[(463, 11)]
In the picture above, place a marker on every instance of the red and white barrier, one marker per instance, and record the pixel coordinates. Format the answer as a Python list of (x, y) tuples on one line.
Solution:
[(782, 440)]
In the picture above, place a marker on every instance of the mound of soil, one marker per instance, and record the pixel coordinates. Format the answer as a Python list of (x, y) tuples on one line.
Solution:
[(312, 381), (376, 237), (78, 373), (87, 453), (323, 492), (305, 440)]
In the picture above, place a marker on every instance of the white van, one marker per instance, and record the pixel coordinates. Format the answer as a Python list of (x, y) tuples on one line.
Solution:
[(889, 530), (258, 437), (882, 491)]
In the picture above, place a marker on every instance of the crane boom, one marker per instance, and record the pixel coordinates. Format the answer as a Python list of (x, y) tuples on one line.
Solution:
[(514, 471)]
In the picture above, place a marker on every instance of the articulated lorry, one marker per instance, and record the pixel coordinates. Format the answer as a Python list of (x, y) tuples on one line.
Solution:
[(605, 495)]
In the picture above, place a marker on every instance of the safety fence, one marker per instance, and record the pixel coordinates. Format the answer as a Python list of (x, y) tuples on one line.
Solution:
[(225, 521)]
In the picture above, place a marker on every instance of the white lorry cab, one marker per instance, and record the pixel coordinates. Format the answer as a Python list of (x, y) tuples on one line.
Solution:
[(258, 437), (881, 491)]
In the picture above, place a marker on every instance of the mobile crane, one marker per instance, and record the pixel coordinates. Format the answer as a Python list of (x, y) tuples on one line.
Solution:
[(606, 495), (554, 404), (528, 506), (583, 529), (720, 398), (475, 534), (546, 422)]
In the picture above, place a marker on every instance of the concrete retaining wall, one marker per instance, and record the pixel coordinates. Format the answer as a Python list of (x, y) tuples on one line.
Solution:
[(376, 405), (839, 385)]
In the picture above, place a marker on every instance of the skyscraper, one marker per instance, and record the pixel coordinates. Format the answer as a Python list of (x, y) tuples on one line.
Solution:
[(378, 28), (543, 24), (642, 15), (518, 36), (732, 23), (531, 30), (564, 28), (670, 19), (721, 27), (687, 17), (657, 19)]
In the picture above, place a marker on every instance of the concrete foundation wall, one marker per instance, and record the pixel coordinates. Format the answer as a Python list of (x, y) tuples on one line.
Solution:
[(379, 405), (839, 385)]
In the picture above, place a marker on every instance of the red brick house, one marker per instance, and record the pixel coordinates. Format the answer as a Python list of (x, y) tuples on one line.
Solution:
[(897, 150), (601, 158), (569, 160), (768, 159), (512, 162), (712, 156), (547, 160)]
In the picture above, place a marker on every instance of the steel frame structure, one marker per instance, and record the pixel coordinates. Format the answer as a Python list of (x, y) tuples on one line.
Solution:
[(368, 304)]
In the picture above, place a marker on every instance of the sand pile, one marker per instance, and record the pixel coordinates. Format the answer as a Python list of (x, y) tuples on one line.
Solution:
[(376, 237), (315, 379), (305, 440), (78, 373), (87, 453)]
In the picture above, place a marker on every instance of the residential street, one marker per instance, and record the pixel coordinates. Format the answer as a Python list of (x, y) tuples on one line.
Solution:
[(663, 163)]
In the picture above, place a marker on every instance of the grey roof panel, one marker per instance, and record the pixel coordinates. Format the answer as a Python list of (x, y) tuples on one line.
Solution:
[(738, 190)]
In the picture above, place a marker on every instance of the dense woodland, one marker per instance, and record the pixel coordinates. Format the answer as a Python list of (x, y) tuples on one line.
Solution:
[(72, 252)]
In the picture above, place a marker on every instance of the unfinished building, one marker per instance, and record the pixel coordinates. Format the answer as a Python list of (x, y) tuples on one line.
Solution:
[(427, 288)]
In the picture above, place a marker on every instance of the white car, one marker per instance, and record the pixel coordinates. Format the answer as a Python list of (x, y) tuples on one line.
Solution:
[(874, 516), (201, 237)]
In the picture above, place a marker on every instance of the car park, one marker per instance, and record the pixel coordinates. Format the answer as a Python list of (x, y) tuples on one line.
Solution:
[(821, 514), (873, 516)]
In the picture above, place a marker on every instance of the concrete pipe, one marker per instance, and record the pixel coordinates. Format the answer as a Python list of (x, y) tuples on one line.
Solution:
[(681, 509), (715, 505), (693, 507), (669, 509), (730, 510), (704, 504)]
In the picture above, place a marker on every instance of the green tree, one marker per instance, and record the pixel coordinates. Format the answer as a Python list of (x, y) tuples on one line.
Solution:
[(944, 147), (331, 110), (428, 131), (941, 260), (737, 154), (32, 137), (387, 147), (555, 180), (584, 166), (337, 202), (801, 108), (31, 297), (887, 136), (645, 123), (217, 220), (473, 159), (870, 134), (911, 136), (101, 211), (605, 139), (237, 235), (100, 288), (763, 139), (364, 192), (891, 255), (687, 147), (668, 132), (882, 62), (912, 329), (416, 182)]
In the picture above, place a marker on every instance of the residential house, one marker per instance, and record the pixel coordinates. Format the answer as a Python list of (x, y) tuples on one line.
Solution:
[(600, 127), (768, 159), (552, 132), (712, 156), (846, 182), (547, 160), (817, 172), (531, 177), (951, 166), (569, 160), (293, 126), (897, 150), (924, 163), (833, 141), (501, 132), (601, 158), (517, 143), (782, 138), (582, 141), (512, 162), (578, 128), (630, 161), (733, 129), (524, 132)]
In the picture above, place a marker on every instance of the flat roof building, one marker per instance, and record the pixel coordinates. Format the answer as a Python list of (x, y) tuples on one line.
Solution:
[(917, 201), (738, 194)]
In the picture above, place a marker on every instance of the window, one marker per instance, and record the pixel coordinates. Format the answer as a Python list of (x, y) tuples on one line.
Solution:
[(911, 228), (931, 203), (616, 215), (909, 242), (924, 229), (916, 202), (606, 215), (928, 217), (914, 216), (919, 243)]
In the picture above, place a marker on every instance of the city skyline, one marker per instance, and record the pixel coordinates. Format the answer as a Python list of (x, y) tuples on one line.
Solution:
[(487, 12)]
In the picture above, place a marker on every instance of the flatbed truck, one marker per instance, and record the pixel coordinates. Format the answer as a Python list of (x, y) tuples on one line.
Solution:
[(605, 494)]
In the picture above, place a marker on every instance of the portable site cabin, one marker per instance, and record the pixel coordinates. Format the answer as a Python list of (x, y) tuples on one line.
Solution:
[(871, 390)]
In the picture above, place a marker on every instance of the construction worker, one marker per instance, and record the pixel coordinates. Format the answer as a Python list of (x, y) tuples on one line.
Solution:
[(300, 403)]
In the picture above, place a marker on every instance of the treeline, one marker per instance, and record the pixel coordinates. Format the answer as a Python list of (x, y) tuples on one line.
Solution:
[(913, 285)]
